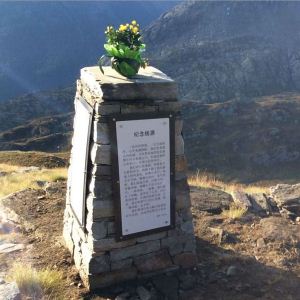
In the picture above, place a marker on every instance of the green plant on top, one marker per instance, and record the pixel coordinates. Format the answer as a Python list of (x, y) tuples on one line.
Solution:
[(124, 46)]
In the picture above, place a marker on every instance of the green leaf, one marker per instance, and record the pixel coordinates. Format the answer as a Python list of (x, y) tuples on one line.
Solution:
[(111, 50)]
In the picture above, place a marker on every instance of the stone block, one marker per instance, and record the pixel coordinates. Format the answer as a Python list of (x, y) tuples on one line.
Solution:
[(101, 133), (96, 265), (101, 189), (174, 244), (106, 279), (179, 145), (190, 245), (98, 229), (135, 250), (105, 109), (186, 214), (186, 260), (180, 163), (101, 154), (87, 96), (170, 106), (108, 244), (182, 200), (187, 227), (148, 84), (99, 209), (101, 170), (137, 108), (121, 264), (77, 257), (152, 237), (111, 228), (153, 261), (178, 126)]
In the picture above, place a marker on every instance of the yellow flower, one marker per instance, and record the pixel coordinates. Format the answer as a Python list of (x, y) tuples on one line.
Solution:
[(133, 22), (135, 30), (122, 27), (130, 27)]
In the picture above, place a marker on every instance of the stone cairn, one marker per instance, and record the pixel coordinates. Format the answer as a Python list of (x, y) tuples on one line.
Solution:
[(100, 258)]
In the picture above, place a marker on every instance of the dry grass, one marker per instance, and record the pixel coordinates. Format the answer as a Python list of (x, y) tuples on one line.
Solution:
[(14, 182), (234, 212), (8, 168), (209, 181), (37, 283)]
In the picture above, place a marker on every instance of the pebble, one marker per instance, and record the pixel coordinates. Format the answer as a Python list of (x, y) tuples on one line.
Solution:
[(232, 271), (260, 243)]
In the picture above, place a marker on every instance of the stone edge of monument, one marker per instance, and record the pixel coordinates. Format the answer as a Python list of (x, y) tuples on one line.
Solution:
[(149, 84)]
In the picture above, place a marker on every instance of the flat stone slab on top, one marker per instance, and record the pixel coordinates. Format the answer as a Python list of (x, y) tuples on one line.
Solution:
[(149, 84)]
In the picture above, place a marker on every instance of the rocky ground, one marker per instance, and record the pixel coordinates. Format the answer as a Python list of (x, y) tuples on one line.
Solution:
[(255, 256)]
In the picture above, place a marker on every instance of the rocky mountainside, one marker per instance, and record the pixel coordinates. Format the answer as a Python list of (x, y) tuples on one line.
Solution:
[(40, 121), (44, 44), (18, 111), (221, 50), (251, 140)]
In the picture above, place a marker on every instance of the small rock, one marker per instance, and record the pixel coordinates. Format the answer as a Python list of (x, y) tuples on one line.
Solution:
[(80, 285), (2, 281), (260, 243), (9, 291), (41, 183), (232, 271), (143, 293), (8, 247)]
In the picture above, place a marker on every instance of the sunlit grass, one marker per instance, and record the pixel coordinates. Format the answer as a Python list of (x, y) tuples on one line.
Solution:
[(209, 181), (37, 283), (8, 168), (14, 182), (234, 212)]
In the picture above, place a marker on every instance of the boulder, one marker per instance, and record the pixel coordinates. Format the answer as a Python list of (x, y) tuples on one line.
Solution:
[(285, 194), (9, 291), (241, 199), (260, 203), (210, 200)]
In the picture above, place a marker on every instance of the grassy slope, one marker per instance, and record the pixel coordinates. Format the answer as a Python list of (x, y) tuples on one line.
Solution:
[(256, 140), (33, 158)]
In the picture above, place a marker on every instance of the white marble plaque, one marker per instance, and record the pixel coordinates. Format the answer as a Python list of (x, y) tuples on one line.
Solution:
[(79, 155), (144, 174)]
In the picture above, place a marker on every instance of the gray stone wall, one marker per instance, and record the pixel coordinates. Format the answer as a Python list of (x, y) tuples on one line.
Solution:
[(101, 260)]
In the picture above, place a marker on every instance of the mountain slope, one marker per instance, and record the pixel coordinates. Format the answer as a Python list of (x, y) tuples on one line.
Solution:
[(50, 134), (44, 44), (20, 110), (249, 141), (222, 50)]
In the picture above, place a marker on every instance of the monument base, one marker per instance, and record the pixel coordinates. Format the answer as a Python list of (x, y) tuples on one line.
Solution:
[(101, 259)]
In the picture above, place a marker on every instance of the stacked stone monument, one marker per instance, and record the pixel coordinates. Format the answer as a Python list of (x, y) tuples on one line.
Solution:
[(99, 257)]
